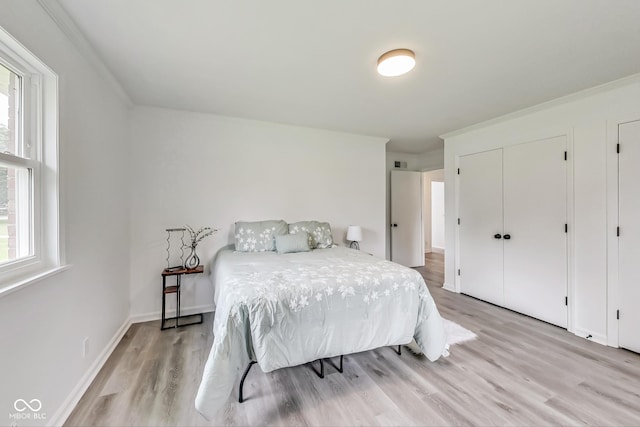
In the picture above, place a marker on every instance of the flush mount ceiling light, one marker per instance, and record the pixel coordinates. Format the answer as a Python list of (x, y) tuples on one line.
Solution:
[(396, 62)]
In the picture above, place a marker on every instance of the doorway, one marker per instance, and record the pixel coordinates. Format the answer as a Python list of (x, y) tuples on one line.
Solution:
[(437, 216), (433, 216)]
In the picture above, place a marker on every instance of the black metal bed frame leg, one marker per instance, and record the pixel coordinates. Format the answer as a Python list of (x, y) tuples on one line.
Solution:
[(340, 369), (398, 351), (244, 376), (321, 373)]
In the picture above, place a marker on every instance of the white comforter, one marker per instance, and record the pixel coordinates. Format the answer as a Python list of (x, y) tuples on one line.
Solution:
[(286, 310)]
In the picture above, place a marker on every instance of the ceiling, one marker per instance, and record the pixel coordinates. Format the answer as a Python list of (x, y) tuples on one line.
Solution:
[(314, 63)]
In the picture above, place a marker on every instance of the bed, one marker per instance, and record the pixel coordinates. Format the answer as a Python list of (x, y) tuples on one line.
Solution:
[(282, 310)]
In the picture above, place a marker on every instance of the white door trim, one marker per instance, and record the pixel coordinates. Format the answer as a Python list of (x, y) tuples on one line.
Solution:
[(571, 220)]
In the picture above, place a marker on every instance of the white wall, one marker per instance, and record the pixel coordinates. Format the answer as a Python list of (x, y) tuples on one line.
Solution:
[(428, 161), (583, 118), (428, 178), (201, 169), (44, 323)]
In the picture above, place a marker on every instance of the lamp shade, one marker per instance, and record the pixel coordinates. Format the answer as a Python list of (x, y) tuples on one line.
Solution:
[(354, 233)]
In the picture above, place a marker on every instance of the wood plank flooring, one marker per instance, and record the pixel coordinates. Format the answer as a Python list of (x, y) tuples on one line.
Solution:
[(518, 372), (433, 270)]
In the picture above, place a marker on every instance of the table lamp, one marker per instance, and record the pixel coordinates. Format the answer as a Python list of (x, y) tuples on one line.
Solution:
[(354, 234)]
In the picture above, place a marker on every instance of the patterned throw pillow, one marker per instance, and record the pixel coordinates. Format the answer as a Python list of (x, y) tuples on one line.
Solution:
[(258, 236), (319, 233)]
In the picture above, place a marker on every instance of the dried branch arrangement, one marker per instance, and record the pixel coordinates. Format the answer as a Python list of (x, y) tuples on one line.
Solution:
[(198, 236)]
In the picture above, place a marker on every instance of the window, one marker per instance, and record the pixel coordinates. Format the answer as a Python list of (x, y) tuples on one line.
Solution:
[(29, 229), (16, 173)]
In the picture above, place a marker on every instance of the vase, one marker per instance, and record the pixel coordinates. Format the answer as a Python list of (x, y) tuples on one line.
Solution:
[(192, 261)]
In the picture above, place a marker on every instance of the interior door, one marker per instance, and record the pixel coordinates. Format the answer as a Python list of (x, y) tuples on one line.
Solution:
[(480, 230), (629, 250), (535, 241), (407, 236)]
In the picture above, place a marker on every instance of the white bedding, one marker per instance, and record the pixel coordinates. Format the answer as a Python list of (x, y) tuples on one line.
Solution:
[(288, 309)]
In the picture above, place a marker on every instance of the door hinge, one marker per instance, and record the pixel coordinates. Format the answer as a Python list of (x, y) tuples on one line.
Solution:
[(566, 228), (458, 171), (565, 155), (458, 272), (458, 221), (618, 314), (566, 300), (618, 231), (618, 148)]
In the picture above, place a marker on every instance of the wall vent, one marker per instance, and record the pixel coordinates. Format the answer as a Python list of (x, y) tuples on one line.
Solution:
[(400, 165)]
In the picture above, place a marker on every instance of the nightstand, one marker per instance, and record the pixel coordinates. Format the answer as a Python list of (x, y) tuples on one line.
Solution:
[(176, 290)]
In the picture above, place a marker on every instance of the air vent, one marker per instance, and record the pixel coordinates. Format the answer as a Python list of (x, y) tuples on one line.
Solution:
[(400, 165)]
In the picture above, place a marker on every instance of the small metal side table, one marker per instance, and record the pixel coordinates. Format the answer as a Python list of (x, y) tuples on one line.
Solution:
[(176, 290)]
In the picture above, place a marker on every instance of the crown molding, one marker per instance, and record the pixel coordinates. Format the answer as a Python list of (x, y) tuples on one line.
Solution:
[(66, 24), (585, 93)]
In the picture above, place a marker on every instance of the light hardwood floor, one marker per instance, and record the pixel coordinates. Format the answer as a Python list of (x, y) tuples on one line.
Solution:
[(433, 270), (518, 372)]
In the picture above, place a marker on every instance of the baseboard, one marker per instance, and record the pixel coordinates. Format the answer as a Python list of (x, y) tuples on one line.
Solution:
[(78, 391), (437, 250), (450, 288), (157, 315), (598, 338)]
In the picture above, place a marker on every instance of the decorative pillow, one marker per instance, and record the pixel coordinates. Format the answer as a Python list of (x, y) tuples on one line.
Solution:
[(319, 233), (289, 243), (258, 236)]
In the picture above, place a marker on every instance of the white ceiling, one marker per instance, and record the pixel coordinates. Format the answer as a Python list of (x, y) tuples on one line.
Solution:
[(313, 63)]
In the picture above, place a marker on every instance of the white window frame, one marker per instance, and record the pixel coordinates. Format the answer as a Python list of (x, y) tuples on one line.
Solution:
[(40, 136)]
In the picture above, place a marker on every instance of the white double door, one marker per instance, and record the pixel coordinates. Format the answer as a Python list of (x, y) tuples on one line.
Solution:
[(513, 244), (629, 239)]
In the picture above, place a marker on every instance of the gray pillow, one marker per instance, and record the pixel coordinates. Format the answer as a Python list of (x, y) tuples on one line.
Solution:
[(288, 243), (258, 236), (319, 233)]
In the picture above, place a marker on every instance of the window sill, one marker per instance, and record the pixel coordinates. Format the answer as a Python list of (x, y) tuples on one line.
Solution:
[(31, 279)]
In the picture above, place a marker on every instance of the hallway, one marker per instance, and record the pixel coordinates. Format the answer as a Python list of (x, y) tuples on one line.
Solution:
[(433, 270)]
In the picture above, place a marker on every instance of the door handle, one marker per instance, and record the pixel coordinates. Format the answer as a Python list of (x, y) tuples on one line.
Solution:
[(394, 225), (497, 236), (507, 236)]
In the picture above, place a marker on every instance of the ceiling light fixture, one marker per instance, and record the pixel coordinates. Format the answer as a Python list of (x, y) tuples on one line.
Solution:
[(396, 62)]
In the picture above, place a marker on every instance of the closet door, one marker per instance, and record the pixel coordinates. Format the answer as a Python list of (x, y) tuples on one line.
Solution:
[(480, 232), (535, 214), (629, 241)]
